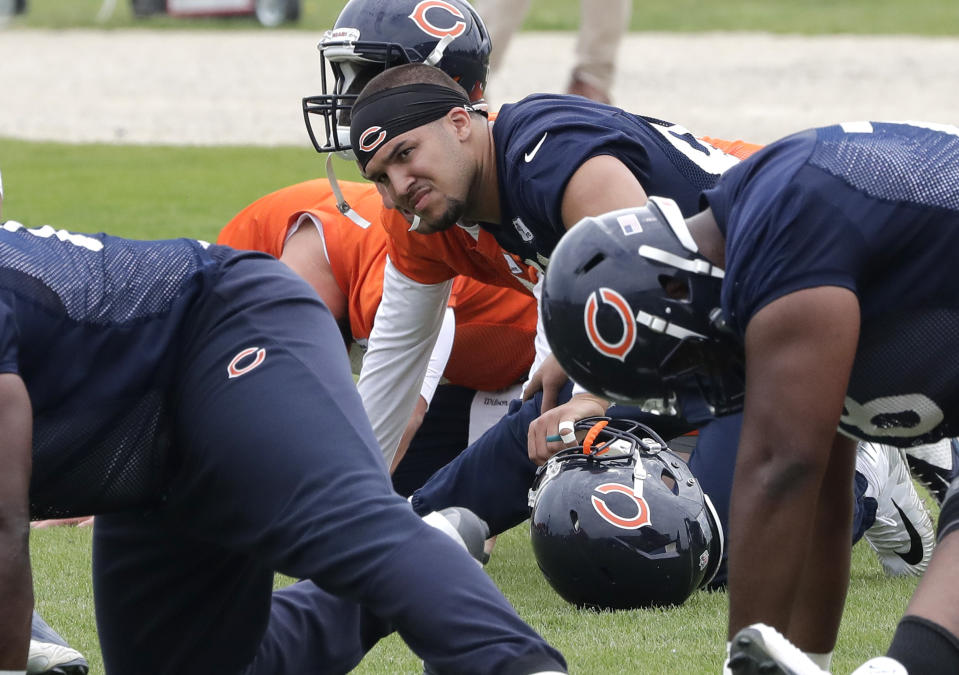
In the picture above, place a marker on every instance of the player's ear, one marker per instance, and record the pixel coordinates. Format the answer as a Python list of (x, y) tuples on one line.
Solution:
[(461, 121)]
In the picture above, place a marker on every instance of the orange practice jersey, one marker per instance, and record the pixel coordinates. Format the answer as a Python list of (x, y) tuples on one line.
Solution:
[(738, 149), (495, 327), (432, 258)]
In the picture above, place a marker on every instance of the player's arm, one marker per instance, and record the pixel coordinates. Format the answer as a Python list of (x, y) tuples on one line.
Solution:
[(16, 587), (601, 184), (404, 332), (305, 253), (789, 530), (434, 373)]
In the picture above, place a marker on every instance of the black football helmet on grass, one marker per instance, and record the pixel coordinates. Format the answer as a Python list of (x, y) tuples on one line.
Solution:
[(619, 522)]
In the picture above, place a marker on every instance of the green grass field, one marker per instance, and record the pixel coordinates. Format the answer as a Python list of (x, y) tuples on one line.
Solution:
[(157, 192), (920, 17), (687, 640)]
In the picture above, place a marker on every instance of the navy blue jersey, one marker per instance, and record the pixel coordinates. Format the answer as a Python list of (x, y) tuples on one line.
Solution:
[(91, 323), (874, 208), (542, 140)]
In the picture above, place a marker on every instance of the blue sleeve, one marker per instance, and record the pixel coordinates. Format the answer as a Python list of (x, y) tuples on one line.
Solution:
[(547, 140)]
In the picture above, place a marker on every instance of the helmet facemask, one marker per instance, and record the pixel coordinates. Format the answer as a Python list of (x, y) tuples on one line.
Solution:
[(352, 65)]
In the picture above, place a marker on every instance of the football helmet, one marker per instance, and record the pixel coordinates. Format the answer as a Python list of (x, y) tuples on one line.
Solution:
[(619, 522), (370, 36), (632, 312)]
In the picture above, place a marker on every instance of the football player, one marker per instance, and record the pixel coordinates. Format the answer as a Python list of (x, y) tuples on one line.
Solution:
[(169, 388), (817, 280), (49, 652), (485, 346), (504, 178)]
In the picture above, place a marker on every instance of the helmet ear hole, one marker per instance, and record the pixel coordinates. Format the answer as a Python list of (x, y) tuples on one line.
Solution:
[(669, 482), (674, 287), (574, 520)]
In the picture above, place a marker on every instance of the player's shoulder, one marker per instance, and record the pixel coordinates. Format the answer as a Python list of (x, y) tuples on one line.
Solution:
[(563, 122)]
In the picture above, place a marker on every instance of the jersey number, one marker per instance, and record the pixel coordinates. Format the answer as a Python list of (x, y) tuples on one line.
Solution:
[(902, 416)]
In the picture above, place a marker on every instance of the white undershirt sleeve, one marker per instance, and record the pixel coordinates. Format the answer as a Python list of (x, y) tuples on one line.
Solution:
[(540, 343), (440, 356), (404, 331)]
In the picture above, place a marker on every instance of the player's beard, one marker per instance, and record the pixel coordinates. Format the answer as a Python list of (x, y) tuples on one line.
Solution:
[(455, 208)]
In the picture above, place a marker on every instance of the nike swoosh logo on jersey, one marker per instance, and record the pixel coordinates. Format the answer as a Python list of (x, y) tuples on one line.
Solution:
[(914, 555), (532, 153)]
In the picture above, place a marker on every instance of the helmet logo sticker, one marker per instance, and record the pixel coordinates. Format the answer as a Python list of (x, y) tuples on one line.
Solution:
[(424, 24), (341, 35), (634, 522), (629, 224), (367, 145), (235, 369), (616, 350)]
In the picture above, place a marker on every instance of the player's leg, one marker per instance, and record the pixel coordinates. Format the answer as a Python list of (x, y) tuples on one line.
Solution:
[(168, 604), (337, 633), (492, 477), (502, 19), (927, 638), (281, 464), (601, 28)]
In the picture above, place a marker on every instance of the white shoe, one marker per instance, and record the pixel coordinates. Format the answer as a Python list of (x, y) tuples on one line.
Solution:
[(934, 465), (761, 650), (50, 654), (881, 665), (464, 527), (903, 535), (49, 657)]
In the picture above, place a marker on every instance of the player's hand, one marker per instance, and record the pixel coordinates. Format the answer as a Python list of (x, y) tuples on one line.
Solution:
[(551, 378), (416, 421), (548, 425), (82, 521)]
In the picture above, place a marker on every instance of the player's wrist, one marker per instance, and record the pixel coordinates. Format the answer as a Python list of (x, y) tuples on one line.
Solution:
[(589, 398)]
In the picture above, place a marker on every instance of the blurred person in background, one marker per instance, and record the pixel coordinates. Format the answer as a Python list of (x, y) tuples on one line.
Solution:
[(602, 24)]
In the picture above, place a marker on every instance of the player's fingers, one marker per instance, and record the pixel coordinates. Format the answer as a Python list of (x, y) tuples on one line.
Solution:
[(534, 384), (532, 439)]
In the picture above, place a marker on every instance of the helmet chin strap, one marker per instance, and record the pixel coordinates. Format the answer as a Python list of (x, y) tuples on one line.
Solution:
[(436, 55), (341, 203)]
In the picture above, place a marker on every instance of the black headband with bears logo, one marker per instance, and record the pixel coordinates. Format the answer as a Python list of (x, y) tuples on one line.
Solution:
[(382, 116)]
